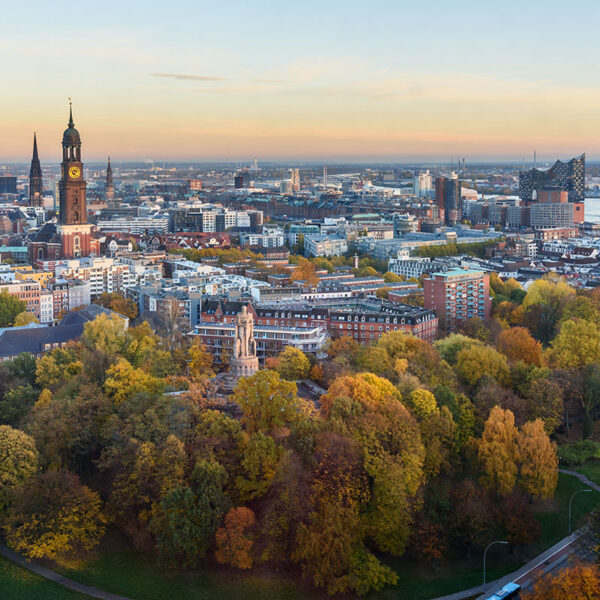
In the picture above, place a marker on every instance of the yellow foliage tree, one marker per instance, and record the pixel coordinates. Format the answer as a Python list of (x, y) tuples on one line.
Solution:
[(123, 382), (498, 451), (538, 459), (576, 345)]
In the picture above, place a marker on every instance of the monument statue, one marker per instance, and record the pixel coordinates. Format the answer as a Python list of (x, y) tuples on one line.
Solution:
[(244, 361)]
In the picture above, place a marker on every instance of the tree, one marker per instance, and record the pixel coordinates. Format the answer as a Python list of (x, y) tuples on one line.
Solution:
[(24, 318), (123, 382), (105, 334), (517, 344), (185, 521), (578, 582), (498, 451), (234, 544), (16, 403), (293, 364), (538, 460), (390, 277), (267, 401), (452, 344), (200, 362), (259, 464), (475, 362), (116, 302), (576, 345), (544, 304), (330, 552), (544, 400), (305, 271), (54, 515), (10, 307), (18, 461)]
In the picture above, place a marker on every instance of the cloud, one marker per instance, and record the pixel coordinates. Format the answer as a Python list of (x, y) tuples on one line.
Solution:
[(184, 77), (209, 78)]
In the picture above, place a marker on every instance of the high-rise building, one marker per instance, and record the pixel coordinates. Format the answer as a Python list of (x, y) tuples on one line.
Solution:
[(448, 198), (458, 294), (567, 176), (422, 184), (110, 188), (36, 196), (324, 174), (295, 177)]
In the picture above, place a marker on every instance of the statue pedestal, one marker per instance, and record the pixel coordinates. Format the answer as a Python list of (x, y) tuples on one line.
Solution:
[(243, 366)]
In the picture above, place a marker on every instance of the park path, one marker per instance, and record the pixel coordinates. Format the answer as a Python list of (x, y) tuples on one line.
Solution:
[(57, 578), (581, 478)]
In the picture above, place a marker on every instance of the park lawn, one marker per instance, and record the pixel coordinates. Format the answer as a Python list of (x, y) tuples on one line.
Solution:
[(123, 571), (590, 469), (17, 583)]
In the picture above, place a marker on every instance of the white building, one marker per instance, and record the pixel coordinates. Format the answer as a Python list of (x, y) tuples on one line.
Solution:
[(324, 245), (46, 306), (422, 184)]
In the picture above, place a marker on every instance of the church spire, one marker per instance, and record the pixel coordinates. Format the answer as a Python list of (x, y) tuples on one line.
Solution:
[(71, 124), (110, 188), (35, 177)]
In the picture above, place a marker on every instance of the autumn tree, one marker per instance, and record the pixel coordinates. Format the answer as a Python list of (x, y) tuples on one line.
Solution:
[(476, 361), (123, 382), (267, 401), (10, 307), (293, 364), (105, 334), (538, 460), (234, 542), (200, 362), (18, 461), (452, 344), (54, 515), (25, 318), (305, 271), (498, 451), (116, 302), (517, 344), (544, 304), (576, 345), (578, 582)]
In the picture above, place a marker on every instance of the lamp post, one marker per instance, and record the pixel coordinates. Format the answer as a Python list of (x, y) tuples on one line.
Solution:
[(571, 500), (484, 555)]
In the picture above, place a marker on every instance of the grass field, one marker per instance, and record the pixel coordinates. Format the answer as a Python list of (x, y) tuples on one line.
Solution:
[(590, 469), (125, 572), (17, 583)]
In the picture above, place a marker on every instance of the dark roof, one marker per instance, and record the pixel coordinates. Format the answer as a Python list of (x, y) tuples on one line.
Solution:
[(47, 233)]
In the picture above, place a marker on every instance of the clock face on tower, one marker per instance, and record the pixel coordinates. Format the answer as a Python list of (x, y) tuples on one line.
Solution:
[(74, 172)]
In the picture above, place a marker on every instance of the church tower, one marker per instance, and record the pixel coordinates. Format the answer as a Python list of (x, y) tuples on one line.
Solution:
[(72, 221), (110, 188), (36, 196)]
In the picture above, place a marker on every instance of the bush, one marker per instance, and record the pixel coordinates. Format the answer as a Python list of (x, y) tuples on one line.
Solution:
[(578, 453)]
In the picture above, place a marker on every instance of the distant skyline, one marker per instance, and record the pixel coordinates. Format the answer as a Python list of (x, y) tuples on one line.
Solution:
[(339, 81)]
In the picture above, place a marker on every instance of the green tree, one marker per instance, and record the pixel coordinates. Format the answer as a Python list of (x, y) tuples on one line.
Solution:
[(576, 345), (187, 518), (10, 307)]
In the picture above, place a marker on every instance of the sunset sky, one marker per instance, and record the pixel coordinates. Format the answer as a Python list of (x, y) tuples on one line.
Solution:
[(337, 80)]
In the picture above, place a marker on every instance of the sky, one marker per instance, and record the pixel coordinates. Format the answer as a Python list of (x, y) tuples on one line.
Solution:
[(333, 80)]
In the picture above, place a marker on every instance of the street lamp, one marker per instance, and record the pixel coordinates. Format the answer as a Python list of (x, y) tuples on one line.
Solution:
[(484, 554), (571, 500)]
